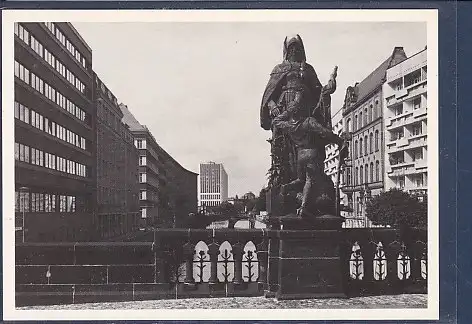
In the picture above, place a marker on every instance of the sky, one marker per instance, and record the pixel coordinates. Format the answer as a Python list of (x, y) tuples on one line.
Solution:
[(198, 86)]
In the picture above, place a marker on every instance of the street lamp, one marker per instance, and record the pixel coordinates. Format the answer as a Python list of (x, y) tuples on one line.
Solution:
[(23, 190)]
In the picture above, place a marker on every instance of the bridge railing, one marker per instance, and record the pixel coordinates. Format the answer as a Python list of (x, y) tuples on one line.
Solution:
[(188, 263)]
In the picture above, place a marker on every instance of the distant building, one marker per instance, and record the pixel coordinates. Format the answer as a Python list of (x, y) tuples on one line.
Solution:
[(213, 184), (405, 112), (54, 133), (332, 155), (362, 117), (168, 192), (117, 167)]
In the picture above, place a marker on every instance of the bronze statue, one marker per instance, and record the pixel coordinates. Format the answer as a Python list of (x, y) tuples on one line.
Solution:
[(298, 111)]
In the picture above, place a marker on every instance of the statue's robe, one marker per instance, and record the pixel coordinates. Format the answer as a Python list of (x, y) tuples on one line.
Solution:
[(275, 85)]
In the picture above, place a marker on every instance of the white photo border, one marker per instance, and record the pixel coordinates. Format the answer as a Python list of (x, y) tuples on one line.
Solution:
[(429, 16)]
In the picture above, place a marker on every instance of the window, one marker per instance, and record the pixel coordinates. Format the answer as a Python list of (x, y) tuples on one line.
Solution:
[(371, 171), (417, 103), (143, 212), (365, 145), (376, 140), (142, 177), (355, 123), (348, 176), (142, 195), (417, 129), (22, 201), (371, 142), (50, 58), (21, 72), (417, 155), (22, 33), (376, 110), (361, 175), (360, 147), (23, 153), (365, 117), (348, 125), (36, 46), (398, 110), (37, 157), (401, 182), (371, 108), (360, 120), (366, 173), (141, 143), (377, 171), (142, 160), (21, 112), (37, 83)]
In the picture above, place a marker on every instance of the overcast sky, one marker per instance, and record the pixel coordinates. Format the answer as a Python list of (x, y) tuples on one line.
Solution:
[(198, 86)]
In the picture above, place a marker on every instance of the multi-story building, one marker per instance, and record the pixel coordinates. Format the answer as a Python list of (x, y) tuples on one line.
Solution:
[(332, 154), (168, 192), (54, 133), (405, 113), (362, 117), (213, 184), (117, 167)]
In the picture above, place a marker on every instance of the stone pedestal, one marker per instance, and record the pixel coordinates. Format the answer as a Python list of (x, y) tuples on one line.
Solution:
[(309, 264), (308, 261)]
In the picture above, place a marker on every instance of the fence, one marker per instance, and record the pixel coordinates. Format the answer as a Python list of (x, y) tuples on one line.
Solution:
[(190, 263)]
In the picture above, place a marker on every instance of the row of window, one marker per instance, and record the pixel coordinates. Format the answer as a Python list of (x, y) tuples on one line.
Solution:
[(365, 117), (48, 91), (23, 34), (37, 157), (364, 174), (362, 146), (66, 43), (45, 202), (209, 196), (52, 128)]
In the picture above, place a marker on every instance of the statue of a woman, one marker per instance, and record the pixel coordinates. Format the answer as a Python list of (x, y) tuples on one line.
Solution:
[(297, 108)]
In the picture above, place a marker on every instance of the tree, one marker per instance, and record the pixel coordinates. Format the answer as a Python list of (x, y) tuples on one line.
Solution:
[(397, 208), (261, 201)]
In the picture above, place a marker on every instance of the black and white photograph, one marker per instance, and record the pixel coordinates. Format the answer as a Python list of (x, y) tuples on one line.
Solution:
[(162, 164)]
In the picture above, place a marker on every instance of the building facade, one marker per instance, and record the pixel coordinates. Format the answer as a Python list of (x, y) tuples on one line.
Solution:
[(168, 192), (117, 167), (363, 118), (213, 184), (332, 156), (54, 133), (406, 154)]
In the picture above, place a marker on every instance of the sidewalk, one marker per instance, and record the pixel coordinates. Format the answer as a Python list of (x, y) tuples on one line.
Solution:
[(372, 302)]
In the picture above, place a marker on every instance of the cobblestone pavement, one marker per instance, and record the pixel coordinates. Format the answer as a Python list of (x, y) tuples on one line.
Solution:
[(396, 301)]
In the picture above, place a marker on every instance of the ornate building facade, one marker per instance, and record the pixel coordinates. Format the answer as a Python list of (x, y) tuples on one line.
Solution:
[(363, 118)]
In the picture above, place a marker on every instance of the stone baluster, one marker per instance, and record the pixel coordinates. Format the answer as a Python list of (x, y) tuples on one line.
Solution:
[(262, 258), (238, 251), (213, 252), (189, 251)]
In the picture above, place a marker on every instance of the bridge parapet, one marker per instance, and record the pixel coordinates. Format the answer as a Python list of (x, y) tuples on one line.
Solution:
[(187, 263)]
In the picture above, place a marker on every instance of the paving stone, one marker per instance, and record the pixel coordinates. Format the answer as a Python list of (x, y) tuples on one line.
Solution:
[(372, 302)]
